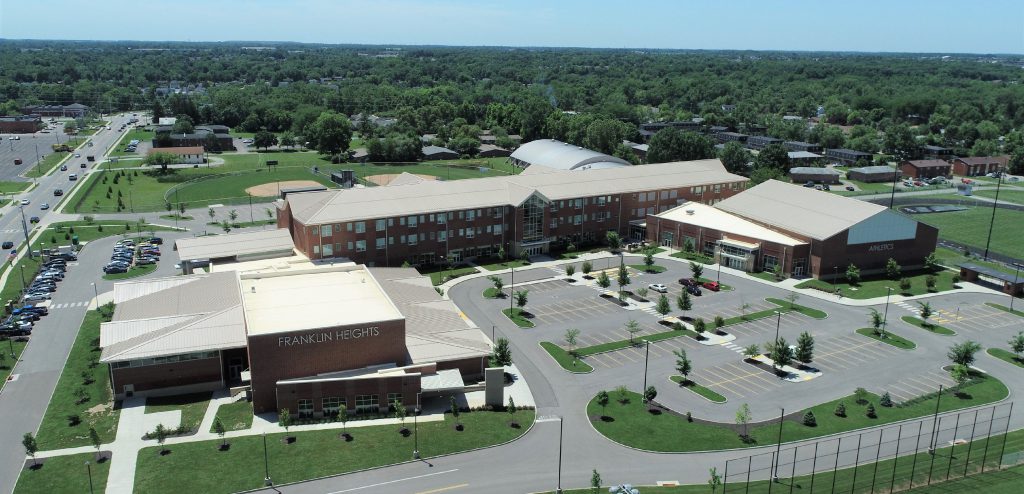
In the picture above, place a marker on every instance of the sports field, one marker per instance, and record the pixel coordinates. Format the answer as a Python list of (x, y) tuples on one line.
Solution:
[(971, 227)]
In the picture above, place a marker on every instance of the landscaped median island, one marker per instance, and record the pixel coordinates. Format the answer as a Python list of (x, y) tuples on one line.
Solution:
[(710, 394), (927, 326), (241, 466), (878, 287), (807, 311), (1006, 356), (64, 474), (566, 359), (888, 338), (518, 316), (1005, 309), (627, 421)]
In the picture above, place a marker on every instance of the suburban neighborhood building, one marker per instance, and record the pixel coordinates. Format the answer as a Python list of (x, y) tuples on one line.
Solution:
[(926, 168), (439, 153), (872, 174), (20, 124), (187, 155), (818, 175), (980, 165), (74, 110), (848, 156)]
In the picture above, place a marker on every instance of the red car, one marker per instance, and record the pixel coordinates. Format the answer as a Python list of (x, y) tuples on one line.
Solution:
[(712, 285)]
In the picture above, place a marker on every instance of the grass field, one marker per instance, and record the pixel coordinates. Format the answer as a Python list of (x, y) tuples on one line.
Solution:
[(241, 467), (952, 258), (1009, 195), (48, 163), (877, 287), (631, 424), (64, 475), (890, 338), (193, 406), (235, 416), (807, 311), (566, 360), (73, 397), (7, 187), (931, 327), (500, 265), (970, 227)]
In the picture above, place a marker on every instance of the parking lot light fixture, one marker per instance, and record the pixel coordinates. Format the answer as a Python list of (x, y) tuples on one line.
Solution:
[(88, 468), (647, 354), (885, 317), (96, 294)]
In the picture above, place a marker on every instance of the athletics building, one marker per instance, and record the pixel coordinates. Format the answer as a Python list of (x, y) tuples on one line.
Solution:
[(543, 209), (296, 335), (805, 232)]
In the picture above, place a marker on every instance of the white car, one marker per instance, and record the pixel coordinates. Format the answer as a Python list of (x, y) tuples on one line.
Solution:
[(24, 202), (658, 287)]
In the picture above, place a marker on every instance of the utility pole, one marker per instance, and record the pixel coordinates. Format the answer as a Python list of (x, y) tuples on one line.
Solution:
[(992, 222), (24, 228)]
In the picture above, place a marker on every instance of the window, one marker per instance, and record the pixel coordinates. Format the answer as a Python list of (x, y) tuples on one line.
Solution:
[(401, 239), (663, 194), (440, 219), (401, 221), (577, 220), (433, 235), (497, 229), (393, 397), (348, 227), (462, 215), (672, 194), (577, 203), (305, 409), (470, 215), (718, 188), (316, 249), (554, 223), (412, 239), (413, 222), (432, 218), (601, 200), (442, 236), (328, 250), (366, 403), (381, 242), (332, 405), (361, 227), (769, 263), (350, 245), (469, 233), (325, 231), (380, 225), (391, 222), (360, 246)]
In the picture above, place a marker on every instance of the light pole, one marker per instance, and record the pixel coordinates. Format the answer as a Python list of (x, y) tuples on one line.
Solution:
[(778, 450), (24, 229), (492, 334), (885, 317), (88, 468), (416, 430), (23, 286), (10, 341), (266, 463), (96, 294), (1013, 289), (992, 222), (647, 354), (558, 489), (778, 324)]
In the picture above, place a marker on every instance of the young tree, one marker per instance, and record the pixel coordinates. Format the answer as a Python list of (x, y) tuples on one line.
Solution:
[(602, 400), (400, 411), (751, 351), (498, 285), (905, 285), (649, 258), (502, 355), (840, 410), (684, 302), (31, 448), (211, 212), (886, 400), (270, 213), (218, 428), (929, 282), (522, 296), (780, 353), (343, 418), (960, 374), (688, 246), (1017, 344), (697, 269), (744, 307), (453, 407), (715, 479), (603, 281), (650, 394), (284, 419), (852, 274), (570, 270), (632, 327), (614, 241), (877, 322), (571, 338), (595, 482), (623, 280), (586, 268), (860, 395), (233, 214), (226, 226), (931, 263), (925, 313), (805, 348), (792, 297), (870, 412), (511, 409), (94, 438), (810, 420), (743, 418), (892, 269), (683, 365), (700, 326), (161, 436), (963, 353), (663, 307), (719, 323), (642, 292)]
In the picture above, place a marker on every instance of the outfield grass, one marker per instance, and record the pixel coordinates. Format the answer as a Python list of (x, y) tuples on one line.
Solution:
[(133, 272), (931, 327), (706, 393), (8, 187), (971, 227), (890, 338), (1006, 356), (807, 311), (516, 316), (643, 268), (1014, 196), (193, 406), (877, 287), (241, 467), (1005, 309), (235, 416), (565, 359), (56, 431), (64, 475), (632, 425)]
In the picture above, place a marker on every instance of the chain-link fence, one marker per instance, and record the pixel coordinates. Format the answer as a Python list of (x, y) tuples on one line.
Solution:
[(892, 459)]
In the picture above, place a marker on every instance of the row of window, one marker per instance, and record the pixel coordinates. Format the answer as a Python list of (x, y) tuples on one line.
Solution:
[(169, 359), (332, 405)]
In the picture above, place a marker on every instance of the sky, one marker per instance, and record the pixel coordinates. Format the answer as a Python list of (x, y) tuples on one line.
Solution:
[(929, 26)]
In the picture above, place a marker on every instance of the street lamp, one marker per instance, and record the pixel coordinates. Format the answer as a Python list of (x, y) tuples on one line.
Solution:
[(778, 323), (96, 294), (266, 463), (558, 489), (647, 354), (885, 317), (416, 430), (88, 468)]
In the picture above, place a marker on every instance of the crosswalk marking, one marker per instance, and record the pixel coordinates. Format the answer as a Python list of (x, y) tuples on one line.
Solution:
[(69, 305)]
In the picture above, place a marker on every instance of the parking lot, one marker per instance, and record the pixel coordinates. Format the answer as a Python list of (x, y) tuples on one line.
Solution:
[(918, 385), (736, 380), (964, 317), (25, 149)]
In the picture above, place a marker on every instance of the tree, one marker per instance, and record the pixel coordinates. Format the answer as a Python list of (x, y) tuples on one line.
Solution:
[(735, 157), (264, 139), (925, 313), (877, 322), (330, 133), (502, 354), (697, 269), (183, 124), (929, 282), (649, 258), (614, 240), (861, 395), (743, 418), (453, 407), (840, 410), (287, 139), (31, 448), (963, 353), (595, 482), (870, 411), (603, 281), (683, 365), (899, 141), (763, 174), (673, 144), (810, 420), (284, 419), (211, 212), (632, 327), (931, 263), (571, 338), (343, 418), (663, 307), (498, 285), (622, 280), (751, 351), (792, 297), (699, 326), (642, 293), (714, 480), (852, 274), (586, 268), (1017, 344), (602, 400), (892, 269), (805, 348), (650, 394), (886, 400), (773, 156), (719, 323), (780, 353), (522, 296), (94, 438), (905, 285), (161, 433), (400, 411), (218, 428), (684, 302), (161, 159), (960, 374), (226, 226), (744, 307), (233, 214), (511, 409), (270, 213)]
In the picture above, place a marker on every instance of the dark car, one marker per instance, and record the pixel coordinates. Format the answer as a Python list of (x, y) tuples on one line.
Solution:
[(849, 188), (83, 165), (115, 269), (58, 192), (688, 282), (8, 245), (144, 261), (156, 241), (34, 219), (694, 290)]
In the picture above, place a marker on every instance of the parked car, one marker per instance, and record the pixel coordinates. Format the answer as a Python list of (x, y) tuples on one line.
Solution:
[(694, 290), (24, 202), (658, 287), (809, 184), (688, 282), (44, 206), (918, 183), (156, 241), (115, 269), (72, 177), (145, 261), (8, 245), (34, 219), (849, 188), (63, 168), (36, 297), (712, 285), (825, 187)]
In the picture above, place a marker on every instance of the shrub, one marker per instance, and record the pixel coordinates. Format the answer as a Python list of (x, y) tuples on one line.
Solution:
[(870, 412), (956, 278), (862, 395), (809, 419), (840, 410), (689, 418), (886, 400)]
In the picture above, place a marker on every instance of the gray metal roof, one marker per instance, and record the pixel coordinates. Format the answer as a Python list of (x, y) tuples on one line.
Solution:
[(429, 150), (992, 272), (816, 214), (276, 241), (813, 170), (873, 169), (561, 155), (335, 206)]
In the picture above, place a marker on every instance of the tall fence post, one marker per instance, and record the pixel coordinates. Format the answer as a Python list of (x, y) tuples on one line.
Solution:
[(896, 458), (725, 478), (952, 445), (932, 444), (792, 472), (746, 489), (814, 467), (970, 445), (1002, 450), (878, 451), (988, 439), (917, 445), (856, 461), (835, 469)]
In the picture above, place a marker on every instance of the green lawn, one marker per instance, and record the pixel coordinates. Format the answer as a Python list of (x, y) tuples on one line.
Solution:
[(643, 268), (863, 188), (241, 467), (1014, 196), (952, 258), (634, 426), (498, 266), (64, 475), (73, 397), (193, 406), (1005, 309), (638, 341), (807, 311), (8, 187), (707, 393), (1004, 355), (133, 272), (765, 275), (692, 256), (890, 338), (235, 416), (517, 316), (48, 163), (932, 327), (7, 362), (439, 276), (971, 227), (877, 287), (492, 292), (566, 360), (140, 134)]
